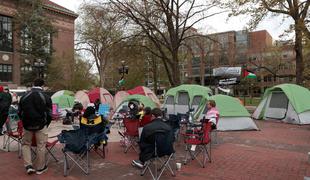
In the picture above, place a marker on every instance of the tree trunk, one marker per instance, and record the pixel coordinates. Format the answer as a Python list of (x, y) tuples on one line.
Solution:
[(175, 70), (299, 56), (101, 76), (202, 68)]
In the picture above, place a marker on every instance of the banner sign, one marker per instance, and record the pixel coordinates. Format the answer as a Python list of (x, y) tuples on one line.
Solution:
[(229, 81), (227, 71)]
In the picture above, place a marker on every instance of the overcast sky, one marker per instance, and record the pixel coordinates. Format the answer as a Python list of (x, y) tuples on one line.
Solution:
[(214, 24)]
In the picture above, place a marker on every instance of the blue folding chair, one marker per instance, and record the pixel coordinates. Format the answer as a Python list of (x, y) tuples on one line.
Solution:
[(104, 109)]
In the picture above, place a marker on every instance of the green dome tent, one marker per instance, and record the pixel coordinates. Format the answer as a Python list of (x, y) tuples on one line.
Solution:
[(142, 99), (63, 101), (146, 101), (233, 115), (183, 97), (63, 92), (286, 102)]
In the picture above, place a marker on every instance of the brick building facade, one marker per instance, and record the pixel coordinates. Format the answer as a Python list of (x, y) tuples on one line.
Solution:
[(254, 50), (11, 61)]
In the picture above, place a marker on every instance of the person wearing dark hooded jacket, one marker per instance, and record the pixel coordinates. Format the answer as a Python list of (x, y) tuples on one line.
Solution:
[(5, 103), (164, 139)]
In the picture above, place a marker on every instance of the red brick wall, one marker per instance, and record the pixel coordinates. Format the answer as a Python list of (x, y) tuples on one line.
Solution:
[(259, 40), (63, 43)]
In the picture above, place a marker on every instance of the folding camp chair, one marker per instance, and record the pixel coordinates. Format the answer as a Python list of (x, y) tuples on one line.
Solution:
[(104, 109), (50, 148), (196, 142), (77, 145), (161, 160), (131, 133), (14, 133)]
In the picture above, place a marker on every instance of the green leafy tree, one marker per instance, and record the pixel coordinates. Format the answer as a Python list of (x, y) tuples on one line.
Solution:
[(81, 75), (99, 33), (36, 32)]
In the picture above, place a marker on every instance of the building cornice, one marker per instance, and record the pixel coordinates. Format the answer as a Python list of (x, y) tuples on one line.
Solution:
[(60, 10)]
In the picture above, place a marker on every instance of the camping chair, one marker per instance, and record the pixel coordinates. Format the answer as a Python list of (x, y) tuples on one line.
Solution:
[(196, 142), (50, 148), (131, 133), (55, 112), (160, 158), (14, 133), (174, 122), (104, 109), (77, 145)]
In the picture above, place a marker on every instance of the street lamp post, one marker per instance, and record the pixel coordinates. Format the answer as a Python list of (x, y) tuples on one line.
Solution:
[(39, 65), (122, 70)]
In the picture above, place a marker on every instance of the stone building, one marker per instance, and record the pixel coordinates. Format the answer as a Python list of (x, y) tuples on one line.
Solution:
[(11, 61)]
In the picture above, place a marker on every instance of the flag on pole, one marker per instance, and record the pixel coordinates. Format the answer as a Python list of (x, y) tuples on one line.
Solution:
[(121, 82), (248, 74)]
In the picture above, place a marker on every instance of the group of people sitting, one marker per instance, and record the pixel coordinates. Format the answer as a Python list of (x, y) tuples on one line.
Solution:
[(152, 121)]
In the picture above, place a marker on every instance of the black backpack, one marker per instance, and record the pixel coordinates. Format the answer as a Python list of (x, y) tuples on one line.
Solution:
[(33, 119)]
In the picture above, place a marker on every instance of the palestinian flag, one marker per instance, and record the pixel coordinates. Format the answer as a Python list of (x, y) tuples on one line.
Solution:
[(248, 74)]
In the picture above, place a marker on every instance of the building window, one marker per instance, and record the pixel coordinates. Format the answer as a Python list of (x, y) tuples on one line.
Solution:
[(5, 73), (6, 34)]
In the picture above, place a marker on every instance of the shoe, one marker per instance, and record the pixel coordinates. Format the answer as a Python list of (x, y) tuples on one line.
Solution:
[(30, 169), (137, 163), (42, 170)]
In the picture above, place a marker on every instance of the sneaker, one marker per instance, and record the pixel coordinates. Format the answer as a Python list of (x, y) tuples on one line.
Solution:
[(30, 169), (137, 163), (42, 170)]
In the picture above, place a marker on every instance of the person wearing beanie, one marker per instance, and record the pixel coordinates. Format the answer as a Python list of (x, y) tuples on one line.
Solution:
[(5, 103)]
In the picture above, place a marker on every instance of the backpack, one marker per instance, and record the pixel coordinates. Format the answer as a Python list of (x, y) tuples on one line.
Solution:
[(33, 119)]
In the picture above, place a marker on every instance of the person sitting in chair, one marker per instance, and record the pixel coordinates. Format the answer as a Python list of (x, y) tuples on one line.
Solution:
[(212, 113), (147, 117), (147, 142), (92, 123), (75, 112)]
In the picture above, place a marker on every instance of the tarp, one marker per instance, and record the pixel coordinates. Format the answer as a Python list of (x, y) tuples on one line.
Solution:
[(118, 98), (83, 98), (145, 92), (286, 102), (63, 101), (63, 92), (102, 94)]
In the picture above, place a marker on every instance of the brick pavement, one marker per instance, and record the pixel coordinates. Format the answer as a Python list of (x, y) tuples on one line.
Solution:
[(278, 151)]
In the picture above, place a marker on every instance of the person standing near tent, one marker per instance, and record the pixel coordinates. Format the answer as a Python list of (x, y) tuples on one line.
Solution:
[(5, 103), (35, 111), (212, 113)]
